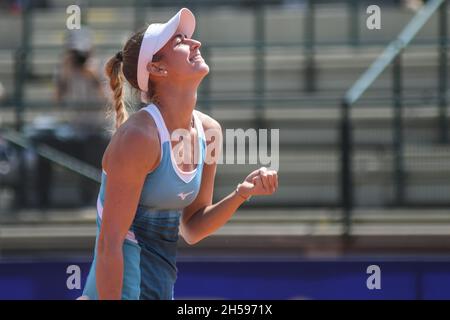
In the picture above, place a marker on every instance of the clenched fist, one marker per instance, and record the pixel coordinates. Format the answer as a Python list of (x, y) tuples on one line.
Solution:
[(260, 182)]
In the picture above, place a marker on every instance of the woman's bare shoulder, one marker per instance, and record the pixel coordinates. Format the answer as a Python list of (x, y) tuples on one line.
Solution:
[(135, 143)]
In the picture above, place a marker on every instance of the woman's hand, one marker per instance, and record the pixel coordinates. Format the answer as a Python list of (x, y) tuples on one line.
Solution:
[(260, 182)]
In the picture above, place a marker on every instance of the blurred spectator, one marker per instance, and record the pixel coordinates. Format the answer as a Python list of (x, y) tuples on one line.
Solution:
[(10, 174), (78, 83), (17, 6), (14, 6), (294, 4), (413, 5), (78, 86)]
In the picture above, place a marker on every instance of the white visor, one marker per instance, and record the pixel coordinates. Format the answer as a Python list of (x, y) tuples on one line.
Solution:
[(156, 36)]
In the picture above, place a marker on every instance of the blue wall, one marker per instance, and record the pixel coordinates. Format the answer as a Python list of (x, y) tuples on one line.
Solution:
[(309, 279)]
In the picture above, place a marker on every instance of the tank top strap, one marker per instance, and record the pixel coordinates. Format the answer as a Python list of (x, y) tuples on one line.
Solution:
[(159, 121), (199, 125), (154, 112)]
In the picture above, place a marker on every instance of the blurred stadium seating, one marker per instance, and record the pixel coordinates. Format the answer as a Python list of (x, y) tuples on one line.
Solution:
[(292, 75)]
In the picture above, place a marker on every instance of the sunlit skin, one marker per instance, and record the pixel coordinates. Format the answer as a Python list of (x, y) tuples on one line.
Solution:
[(177, 77), (134, 151)]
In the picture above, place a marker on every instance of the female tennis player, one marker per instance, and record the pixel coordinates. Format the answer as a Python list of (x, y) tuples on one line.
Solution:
[(146, 198)]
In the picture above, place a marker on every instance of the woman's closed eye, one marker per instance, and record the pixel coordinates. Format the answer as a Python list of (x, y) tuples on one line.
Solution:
[(180, 39)]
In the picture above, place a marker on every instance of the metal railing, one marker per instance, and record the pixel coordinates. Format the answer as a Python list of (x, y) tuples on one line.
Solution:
[(55, 156), (392, 55)]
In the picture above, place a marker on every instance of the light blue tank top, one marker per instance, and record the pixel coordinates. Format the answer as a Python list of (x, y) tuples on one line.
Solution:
[(167, 187), (149, 250)]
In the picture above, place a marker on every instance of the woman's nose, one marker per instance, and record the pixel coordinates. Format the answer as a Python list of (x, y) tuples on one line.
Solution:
[(195, 44)]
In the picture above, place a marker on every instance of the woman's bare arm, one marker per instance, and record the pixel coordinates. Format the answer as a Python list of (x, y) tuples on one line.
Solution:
[(202, 217), (128, 159)]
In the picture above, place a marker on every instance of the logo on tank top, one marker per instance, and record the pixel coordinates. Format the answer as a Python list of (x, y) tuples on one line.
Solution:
[(184, 195)]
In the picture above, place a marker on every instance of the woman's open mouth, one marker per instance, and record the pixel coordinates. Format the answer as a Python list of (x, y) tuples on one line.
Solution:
[(197, 57)]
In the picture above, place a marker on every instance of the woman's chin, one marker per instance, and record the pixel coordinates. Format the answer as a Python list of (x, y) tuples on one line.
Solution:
[(202, 68), (198, 70)]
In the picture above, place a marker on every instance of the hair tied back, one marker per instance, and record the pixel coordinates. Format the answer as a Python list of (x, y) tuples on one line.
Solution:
[(119, 56)]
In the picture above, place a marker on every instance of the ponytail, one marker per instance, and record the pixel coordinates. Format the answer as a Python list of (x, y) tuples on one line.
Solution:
[(113, 70)]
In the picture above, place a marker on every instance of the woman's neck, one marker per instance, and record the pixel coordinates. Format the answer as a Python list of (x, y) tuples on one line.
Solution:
[(176, 106)]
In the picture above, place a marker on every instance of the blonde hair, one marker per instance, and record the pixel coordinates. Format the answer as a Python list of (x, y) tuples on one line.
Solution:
[(113, 70)]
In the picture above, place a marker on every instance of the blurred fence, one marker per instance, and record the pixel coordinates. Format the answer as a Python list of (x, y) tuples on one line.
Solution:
[(267, 33), (401, 160), (287, 65)]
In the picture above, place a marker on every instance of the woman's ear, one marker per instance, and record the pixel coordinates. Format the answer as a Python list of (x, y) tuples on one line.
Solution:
[(156, 69)]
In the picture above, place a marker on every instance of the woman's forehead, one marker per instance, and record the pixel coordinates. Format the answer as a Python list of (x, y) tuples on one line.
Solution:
[(170, 43)]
